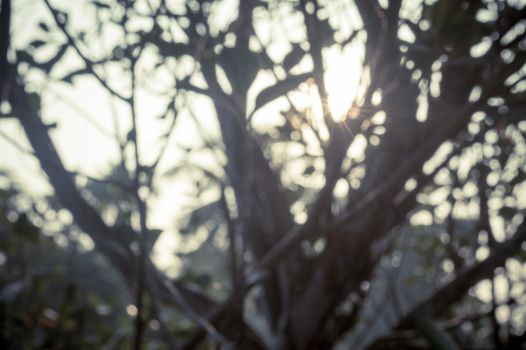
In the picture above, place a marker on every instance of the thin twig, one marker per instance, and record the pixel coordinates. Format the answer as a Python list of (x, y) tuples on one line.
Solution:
[(235, 271), (89, 63), (142, 210), (168, 136)]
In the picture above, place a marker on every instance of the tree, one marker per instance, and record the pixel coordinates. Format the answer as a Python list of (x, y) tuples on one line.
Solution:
[(55, 293), (395, 210)]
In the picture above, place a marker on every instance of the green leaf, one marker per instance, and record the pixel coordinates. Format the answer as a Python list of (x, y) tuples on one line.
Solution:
[(279, 89)]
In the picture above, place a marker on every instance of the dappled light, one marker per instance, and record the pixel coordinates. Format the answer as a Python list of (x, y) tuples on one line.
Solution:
[(262, 174)]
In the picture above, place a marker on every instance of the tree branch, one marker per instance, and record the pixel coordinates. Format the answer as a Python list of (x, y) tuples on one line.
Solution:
[(89, 63), (26, 108), (451, 292), (5, 37)]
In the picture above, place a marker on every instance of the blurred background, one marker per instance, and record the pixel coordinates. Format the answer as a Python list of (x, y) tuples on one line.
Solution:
[(262, 174)]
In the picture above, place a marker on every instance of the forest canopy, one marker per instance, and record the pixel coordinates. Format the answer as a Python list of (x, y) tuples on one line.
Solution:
[(262, 174)]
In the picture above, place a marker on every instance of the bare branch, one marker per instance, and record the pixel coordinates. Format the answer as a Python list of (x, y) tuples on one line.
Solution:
[(89, 63), (86, 216)]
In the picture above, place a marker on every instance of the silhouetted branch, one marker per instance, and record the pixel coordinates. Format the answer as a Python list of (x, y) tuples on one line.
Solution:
[(450, 293), (89, 64), (5, 37), (87, 218)]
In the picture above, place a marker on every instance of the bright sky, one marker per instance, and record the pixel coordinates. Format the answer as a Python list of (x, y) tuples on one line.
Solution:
[(88, 118)]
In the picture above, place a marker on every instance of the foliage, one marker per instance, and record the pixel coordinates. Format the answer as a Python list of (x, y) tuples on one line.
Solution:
[(53, 292), (397, 223)]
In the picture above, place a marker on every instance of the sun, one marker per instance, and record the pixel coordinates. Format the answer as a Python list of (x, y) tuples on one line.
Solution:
[(342, 80)]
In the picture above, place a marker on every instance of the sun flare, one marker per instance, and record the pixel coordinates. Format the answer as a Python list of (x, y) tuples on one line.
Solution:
[(341, 79)]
